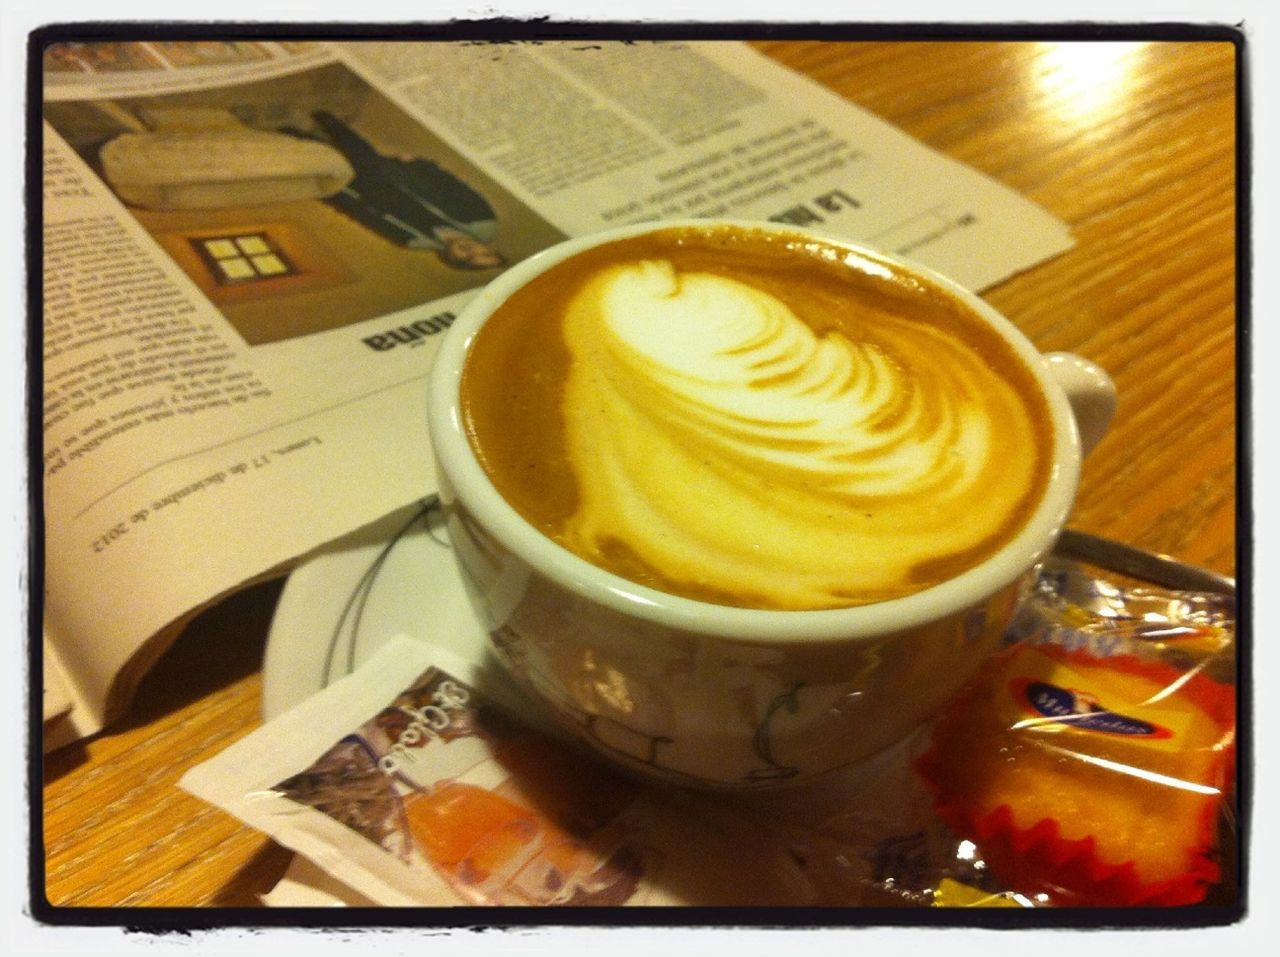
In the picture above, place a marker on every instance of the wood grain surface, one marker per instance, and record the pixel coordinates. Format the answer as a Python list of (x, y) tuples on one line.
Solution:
[(1132, 144)]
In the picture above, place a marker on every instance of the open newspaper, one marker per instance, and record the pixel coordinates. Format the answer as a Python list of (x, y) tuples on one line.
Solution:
[(252, 248)]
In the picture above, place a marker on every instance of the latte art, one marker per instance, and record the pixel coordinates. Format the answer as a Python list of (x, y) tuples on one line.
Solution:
[(716, 364), (717, 436), (719, 439)]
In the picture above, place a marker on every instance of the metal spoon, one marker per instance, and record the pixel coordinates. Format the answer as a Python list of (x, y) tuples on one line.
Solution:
[(1149, 566)]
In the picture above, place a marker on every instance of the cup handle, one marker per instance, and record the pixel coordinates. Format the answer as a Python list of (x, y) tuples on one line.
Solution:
[(1090, 391)]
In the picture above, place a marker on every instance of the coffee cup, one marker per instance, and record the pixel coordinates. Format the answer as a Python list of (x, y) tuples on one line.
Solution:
[(845, 518)]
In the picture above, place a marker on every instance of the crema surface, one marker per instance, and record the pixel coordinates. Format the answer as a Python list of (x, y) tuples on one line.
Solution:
[(756, 420)]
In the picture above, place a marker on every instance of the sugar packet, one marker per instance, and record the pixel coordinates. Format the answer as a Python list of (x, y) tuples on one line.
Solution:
[(410, 787)]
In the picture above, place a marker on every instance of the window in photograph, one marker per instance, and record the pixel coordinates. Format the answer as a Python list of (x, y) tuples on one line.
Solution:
[(240, 258)]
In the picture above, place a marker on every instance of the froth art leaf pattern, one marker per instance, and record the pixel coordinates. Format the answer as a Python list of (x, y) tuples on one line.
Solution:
[(724, 441)]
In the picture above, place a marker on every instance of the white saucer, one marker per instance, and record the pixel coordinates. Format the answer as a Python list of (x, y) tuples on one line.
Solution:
[(394, 577)]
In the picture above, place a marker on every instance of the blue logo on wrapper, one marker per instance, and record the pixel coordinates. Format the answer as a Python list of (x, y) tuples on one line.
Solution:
[(1080, 709)]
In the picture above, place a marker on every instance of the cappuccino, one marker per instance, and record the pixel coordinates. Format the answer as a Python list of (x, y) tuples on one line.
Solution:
[(756, 418)]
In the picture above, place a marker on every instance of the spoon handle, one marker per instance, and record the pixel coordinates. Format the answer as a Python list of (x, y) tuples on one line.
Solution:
[(1149, 566)]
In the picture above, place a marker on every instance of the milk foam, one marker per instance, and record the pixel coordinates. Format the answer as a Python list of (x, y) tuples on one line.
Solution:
[(724, 443)]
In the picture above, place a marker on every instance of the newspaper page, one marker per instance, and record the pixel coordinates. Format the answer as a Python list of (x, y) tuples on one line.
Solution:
[(251, 249)]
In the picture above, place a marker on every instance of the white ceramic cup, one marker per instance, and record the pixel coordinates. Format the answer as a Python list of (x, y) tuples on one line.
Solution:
[(708, 695)]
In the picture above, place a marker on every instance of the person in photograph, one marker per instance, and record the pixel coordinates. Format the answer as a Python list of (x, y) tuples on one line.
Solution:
[(412, 201)]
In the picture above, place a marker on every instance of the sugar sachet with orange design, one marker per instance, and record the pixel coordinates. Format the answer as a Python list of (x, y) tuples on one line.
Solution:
[(409, 784), (1092, 762)]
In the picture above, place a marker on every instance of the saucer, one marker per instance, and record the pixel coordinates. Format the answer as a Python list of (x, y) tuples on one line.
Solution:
[(396, 576)]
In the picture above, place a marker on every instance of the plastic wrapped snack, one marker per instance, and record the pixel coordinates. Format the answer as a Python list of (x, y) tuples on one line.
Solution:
[(1091, 763)]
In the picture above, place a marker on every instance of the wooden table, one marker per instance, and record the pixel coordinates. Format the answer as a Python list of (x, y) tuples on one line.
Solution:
[(1132, 144)]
